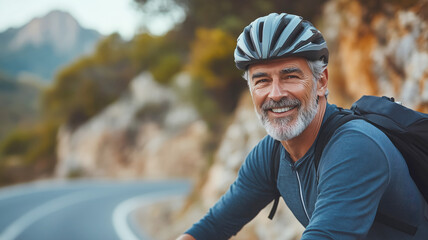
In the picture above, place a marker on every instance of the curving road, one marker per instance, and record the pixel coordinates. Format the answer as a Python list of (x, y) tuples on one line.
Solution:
[(85, 209)]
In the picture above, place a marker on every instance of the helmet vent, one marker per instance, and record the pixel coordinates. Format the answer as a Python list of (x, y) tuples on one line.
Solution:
[(282, 25), (294, 35), (318, 40), (249, 41), (261, 32), (240, 51)]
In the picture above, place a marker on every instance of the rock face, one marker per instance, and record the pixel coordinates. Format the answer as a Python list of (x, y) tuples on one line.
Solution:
[(378, 52), (149, 132)]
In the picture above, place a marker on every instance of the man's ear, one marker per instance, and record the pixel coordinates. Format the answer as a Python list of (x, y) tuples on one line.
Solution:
[(322, 83)]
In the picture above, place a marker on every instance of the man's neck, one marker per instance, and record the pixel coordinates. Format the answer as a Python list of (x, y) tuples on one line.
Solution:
[(298, 146)]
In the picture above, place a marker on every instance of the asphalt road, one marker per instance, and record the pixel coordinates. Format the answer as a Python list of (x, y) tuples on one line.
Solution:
[(80, 210)]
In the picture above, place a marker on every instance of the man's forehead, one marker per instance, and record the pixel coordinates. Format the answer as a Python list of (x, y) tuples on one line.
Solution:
[(282, 64)]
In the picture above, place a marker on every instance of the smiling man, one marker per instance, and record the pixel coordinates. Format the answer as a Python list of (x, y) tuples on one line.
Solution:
[(361, 189)]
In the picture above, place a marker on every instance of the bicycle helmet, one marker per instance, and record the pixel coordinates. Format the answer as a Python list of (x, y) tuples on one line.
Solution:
[(277, 36)]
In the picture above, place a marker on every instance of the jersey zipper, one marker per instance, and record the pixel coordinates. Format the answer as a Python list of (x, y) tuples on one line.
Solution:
[(301, 194)]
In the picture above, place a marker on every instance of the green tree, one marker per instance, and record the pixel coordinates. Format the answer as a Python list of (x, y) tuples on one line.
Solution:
[(86, 86), (211, 65), (161, 55)]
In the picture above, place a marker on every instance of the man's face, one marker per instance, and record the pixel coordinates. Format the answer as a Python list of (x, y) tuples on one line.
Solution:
[(284, 96)]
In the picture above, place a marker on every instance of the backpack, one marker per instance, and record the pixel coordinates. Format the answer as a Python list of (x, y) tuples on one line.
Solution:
[(407, 129)]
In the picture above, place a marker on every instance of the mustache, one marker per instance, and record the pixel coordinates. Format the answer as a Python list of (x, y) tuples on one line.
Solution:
[(283, 102)]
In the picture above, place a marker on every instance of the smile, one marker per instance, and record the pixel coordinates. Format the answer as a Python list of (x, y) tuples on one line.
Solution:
[(282, 110)]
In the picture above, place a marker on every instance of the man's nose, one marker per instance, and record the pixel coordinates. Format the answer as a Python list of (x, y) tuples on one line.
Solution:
[(276, 92)]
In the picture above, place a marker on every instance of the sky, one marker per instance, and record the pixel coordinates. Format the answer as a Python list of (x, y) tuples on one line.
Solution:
[(105, 16)]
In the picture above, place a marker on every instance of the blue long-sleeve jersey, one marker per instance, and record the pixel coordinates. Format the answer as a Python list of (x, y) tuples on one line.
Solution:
[(360, 172)]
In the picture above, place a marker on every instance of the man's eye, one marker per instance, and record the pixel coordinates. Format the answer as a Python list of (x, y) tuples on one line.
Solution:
[(260, 81), (291, 76)]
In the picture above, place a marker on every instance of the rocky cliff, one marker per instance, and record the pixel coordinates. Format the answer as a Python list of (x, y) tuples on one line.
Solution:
[(147, 133), (378, 51)]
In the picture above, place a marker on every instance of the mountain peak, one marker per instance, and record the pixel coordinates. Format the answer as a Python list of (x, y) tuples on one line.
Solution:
[(58, 28), (58, 14), (44, 44)]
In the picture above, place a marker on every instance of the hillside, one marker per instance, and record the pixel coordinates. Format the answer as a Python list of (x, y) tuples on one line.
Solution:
[(18, 103)]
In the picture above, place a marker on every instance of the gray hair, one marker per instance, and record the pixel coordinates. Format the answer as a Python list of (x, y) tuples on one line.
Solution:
[(317, 68)]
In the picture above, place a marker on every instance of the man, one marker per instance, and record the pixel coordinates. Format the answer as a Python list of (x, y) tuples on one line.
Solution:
[(360, 172)]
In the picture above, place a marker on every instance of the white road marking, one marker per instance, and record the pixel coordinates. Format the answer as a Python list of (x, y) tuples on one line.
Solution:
[(19, 225), (20, 190), (27, 189), (121, 212)]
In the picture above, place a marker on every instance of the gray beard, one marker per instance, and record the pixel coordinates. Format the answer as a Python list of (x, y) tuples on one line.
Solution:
[(281, 128)]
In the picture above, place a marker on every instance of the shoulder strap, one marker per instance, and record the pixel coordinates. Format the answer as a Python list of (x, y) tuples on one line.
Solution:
[(276, 154), (327, 130)]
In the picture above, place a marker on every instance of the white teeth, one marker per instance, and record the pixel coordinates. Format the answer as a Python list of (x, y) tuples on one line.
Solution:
[(281, 110)]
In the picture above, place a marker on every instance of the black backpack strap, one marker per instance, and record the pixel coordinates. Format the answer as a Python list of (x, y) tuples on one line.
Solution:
[(396, 223), (276, 155), (327, 130)]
